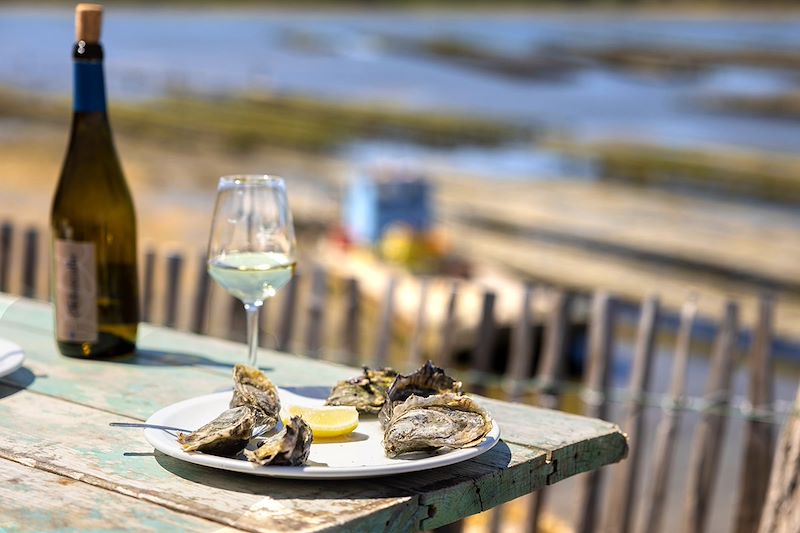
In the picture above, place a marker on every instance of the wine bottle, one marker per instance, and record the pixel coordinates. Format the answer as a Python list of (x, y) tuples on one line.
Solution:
[(94, 285)]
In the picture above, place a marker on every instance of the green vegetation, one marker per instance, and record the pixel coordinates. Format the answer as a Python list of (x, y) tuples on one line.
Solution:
[(535, 65), (783, 106), (678, 59), (248, 121), (556, 61), (755, 175)]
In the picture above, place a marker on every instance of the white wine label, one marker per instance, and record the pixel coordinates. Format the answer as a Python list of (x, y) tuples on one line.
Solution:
[(76, 291)]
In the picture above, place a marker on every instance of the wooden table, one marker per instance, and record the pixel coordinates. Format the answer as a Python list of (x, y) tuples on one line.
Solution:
[(62, 466)]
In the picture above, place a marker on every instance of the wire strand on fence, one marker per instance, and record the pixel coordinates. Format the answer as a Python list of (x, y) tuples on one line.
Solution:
[(739, 407)]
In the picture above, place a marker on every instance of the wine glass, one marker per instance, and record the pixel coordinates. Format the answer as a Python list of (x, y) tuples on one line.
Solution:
[(251, 250)]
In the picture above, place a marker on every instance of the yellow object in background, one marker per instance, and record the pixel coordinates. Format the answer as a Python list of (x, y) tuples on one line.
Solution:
[(401, 245)]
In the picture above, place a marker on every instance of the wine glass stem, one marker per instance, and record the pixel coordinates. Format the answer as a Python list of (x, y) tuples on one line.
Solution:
[(252, 333)]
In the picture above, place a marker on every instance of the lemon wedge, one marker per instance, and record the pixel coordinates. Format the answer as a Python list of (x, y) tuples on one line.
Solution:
[(326, 421)]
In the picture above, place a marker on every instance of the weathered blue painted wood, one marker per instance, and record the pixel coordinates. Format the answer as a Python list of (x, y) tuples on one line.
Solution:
[(29, 505)]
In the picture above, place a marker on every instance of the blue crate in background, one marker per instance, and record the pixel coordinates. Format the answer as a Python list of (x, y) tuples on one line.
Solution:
[(378, 200)]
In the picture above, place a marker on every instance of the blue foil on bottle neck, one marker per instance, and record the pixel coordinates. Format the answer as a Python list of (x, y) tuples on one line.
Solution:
[(89, 94)]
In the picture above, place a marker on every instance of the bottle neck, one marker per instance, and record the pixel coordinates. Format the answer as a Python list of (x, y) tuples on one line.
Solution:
[(89, 90)]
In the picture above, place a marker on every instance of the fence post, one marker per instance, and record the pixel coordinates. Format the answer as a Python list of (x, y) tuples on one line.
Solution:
[(552, 364), (621, 505), (519, 367), (655, 499), (548, 376), (203, 284), (484, 344), (6, 237), (781, 514), (708, 442), (449, 325), (30, 263), (264, 336), (237, 319), (599, 358), (418, 336), (147, 285), (352, 315), (289, 305), (172, 293), (521, 353), (385, 327), (759, 439), (316, 311)]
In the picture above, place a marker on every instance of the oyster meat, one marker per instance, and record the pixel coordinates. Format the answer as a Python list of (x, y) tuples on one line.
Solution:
[(289, 447), (446, 420), (366, 392), (428, 380), (253, 389), (226, 435)]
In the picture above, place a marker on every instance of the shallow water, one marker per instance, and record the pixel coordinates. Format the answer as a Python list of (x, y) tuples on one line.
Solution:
[(339, 56)]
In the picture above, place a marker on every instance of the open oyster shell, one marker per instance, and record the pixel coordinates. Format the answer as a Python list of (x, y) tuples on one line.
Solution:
[(446, 420), (289, 447), (253, 389), (366, 392), (428, 380), (226, 435)]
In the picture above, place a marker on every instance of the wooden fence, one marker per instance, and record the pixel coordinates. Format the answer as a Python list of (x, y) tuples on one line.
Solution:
[(182, 297)]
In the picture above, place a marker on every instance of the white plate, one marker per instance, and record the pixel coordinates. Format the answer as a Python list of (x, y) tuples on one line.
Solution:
[(11, 357), (357, 456)]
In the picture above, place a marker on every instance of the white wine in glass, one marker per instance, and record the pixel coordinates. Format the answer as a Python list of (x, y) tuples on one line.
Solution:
[(251, 251)]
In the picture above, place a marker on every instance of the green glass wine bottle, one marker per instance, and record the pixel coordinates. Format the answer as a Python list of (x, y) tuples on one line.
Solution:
[(94, 275)]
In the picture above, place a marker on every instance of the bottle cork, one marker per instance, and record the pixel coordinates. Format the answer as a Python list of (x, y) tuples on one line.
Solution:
[(88, 18)]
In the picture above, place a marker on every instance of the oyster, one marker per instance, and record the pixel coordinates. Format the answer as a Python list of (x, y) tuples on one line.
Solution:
[(253, 389), (226, 435), (366, 392), (446, 420), (428, 380), (289, 447)]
